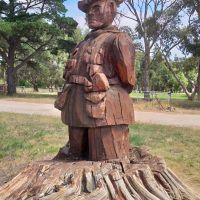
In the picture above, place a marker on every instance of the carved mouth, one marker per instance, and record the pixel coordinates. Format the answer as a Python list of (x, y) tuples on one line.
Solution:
[(91, 20)]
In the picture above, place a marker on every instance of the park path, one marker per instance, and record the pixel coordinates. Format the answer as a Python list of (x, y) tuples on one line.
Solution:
[(184, 120)]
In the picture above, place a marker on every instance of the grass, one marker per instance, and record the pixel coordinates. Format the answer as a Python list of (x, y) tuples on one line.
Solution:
[(31, 135), (179, 147), (160, 95), (48, 98), (24, 138)]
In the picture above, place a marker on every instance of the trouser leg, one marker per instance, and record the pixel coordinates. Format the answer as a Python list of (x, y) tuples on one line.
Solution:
[(78, 139), (109, 142)]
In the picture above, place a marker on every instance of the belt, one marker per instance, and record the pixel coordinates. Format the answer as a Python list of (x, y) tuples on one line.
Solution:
[(114, 81), (81, 80)]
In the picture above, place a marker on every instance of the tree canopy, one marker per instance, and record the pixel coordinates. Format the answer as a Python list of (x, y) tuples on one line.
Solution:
[(30, 27)]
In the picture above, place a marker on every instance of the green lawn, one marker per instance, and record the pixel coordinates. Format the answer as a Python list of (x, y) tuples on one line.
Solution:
[(24, 138), (160, 95), (180, 147)]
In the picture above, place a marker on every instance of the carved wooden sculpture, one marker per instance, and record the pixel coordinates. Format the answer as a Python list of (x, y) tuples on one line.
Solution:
[(100, 73), (96, 106)]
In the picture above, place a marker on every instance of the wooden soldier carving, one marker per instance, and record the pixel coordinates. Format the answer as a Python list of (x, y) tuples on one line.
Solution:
[(100, 74), (96, 106)]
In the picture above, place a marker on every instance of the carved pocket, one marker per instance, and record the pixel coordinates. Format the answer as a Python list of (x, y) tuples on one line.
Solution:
[(96, 111), (96, 104)]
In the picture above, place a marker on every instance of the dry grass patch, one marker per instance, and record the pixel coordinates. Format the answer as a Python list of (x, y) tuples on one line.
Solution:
[(178, 106), (31, 98)]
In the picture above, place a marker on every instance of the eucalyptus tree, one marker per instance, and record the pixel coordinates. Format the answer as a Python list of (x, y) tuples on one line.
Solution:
[(28, 28), (193, 6), (186, 38), (46, 71), (152, 18)]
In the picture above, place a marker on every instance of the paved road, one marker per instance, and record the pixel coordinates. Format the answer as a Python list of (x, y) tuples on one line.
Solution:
[(185, 120)]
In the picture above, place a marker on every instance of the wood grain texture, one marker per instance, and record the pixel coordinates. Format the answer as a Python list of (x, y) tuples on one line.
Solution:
[(141, 177)]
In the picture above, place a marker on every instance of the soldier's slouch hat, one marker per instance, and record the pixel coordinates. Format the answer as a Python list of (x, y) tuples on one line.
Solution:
[(84, 4)]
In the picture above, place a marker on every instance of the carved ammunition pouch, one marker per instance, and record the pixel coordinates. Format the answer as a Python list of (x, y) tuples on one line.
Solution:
[(62, 96), (96, 97), (95, 93)]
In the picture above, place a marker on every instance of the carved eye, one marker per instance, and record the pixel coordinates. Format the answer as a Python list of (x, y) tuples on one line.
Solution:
[(96, 8)]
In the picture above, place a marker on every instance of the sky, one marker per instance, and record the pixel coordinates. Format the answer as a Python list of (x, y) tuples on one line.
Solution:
[(74, 12), (79, 16)]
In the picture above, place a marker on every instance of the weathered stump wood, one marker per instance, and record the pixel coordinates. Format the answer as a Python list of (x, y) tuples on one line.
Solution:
[(142, 177)]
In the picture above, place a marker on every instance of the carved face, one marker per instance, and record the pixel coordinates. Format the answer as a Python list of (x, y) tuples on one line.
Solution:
[(101, 14)]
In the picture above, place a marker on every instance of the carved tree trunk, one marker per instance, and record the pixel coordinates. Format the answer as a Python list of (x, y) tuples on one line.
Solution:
[(142, 177)]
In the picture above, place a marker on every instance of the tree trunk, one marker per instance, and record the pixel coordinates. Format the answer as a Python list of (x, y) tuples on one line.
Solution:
[(146, 72), (35, 88), (11, 80), (198, 82), (11, 71), (141, 177)]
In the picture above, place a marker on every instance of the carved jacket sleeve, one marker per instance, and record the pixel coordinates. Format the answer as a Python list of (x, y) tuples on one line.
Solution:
[(124, 60)]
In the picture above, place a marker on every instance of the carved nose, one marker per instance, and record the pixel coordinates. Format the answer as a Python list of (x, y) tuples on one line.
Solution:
[(90, 12)]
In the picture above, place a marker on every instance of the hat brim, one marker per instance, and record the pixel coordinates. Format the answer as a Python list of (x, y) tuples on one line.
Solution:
[(83, 6)]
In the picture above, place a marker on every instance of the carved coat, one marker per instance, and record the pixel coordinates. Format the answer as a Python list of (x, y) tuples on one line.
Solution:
[(100, 74)]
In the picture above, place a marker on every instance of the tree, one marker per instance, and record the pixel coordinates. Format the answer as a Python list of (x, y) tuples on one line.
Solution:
[(46, 71), (160, 77), (193, 5), (28, 28), (2, 71), (153, 18), (78, 36), (187, 40)]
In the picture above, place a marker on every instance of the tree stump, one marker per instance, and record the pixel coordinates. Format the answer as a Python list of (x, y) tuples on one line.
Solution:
[(141, 177)]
